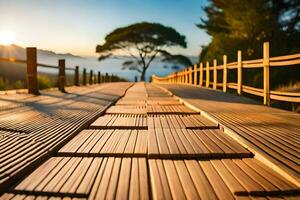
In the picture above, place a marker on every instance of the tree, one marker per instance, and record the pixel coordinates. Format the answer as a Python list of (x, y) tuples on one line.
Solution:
[(245, 25), (143, 42)]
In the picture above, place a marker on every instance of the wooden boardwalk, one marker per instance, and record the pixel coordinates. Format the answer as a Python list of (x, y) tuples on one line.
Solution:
[(149, 145), (32, 128)]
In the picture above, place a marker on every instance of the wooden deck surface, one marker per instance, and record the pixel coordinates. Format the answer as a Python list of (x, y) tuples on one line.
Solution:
[(273, 133), (149, 145), (32, 127)]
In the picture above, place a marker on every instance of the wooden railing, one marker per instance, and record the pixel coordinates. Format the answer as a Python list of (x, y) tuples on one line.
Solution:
[(32, 65), (195, 75)]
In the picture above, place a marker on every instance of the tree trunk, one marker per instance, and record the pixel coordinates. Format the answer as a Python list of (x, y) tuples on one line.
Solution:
[(143, 74)]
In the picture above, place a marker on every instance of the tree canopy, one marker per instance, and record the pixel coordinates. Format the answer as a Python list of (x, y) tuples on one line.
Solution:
[(143, 42), (245, 25)]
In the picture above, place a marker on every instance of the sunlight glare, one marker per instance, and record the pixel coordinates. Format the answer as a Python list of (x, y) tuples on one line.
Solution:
[(7, 38)]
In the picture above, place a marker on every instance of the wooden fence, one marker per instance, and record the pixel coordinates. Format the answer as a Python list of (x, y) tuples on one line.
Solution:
[(194, 75), (32, 65)]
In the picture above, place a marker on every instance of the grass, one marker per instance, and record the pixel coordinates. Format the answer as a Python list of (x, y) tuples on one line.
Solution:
[(44, 82), (291, 87)]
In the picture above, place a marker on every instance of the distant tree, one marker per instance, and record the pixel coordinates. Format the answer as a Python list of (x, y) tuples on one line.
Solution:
[(245, 25), (143, 42)]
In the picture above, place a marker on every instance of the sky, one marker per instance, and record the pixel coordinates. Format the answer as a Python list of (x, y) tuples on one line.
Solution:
[(77, 26)]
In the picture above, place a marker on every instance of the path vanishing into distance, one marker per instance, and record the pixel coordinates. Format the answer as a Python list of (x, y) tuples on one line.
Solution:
[(146, 141)]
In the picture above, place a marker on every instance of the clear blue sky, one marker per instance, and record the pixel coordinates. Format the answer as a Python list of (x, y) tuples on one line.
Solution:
[(77, 26)]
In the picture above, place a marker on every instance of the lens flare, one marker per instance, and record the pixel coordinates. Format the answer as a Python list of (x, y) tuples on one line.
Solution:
[(7, 37)]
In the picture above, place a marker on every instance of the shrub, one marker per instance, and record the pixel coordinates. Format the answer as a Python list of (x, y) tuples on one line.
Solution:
[(44, 82), (3, 83), (18, 84)]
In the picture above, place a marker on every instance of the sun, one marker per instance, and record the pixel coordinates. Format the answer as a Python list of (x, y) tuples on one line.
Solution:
[(7, 38)]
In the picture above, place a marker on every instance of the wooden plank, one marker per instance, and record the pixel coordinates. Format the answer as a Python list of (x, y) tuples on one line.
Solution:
[(108, 142), (122, 109), (216, 181), (120, 121), (170, 109), (184, 143), (200, 180), (184, 121)]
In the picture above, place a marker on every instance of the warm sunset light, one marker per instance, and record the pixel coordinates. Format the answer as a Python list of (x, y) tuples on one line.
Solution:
[(7, 37)]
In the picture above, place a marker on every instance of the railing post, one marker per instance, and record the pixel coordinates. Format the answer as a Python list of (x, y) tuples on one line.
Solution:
[(190, 75), (99, 77), (91, 77), (95, 78), (32, 82), (201, 75), (61, 75), (76, 78), (195, 74), (180, 76), (106, 77), (239, 73), (215, 75), (186, 77), (224, 73), (207, 75), (84, 77), (266, 64)]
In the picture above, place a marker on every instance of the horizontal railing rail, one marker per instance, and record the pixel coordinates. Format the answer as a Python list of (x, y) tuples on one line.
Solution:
[(195, 75), (32, 65)]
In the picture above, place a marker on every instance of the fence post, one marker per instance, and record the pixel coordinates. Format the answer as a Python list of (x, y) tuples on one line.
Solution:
[(195, 74), (84, 76), (180, 76), (99, 77), (32, 82), (215, 75), (106, 77), (61, 75), (91, 77), (201, 75), (266, 64), (239, 73), (224, 73), (207, 75), (95, 78), (76, 78), (190, 73), (186, 77)]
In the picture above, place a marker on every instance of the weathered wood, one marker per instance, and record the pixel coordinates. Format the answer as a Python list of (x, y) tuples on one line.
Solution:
[(207, 75), (224, 73), (195, 75), (91, 77), (32, 82), (62, 75), (201, 75), (215, 75), (99, 77), (190, 72), (84, 76), (239, 73), (266, 65), (76, 76)]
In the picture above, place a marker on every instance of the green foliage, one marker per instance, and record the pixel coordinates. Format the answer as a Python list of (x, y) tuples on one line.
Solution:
[(245, 25), (3, 83), (44, 82), (18, 84), (143, 42)]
